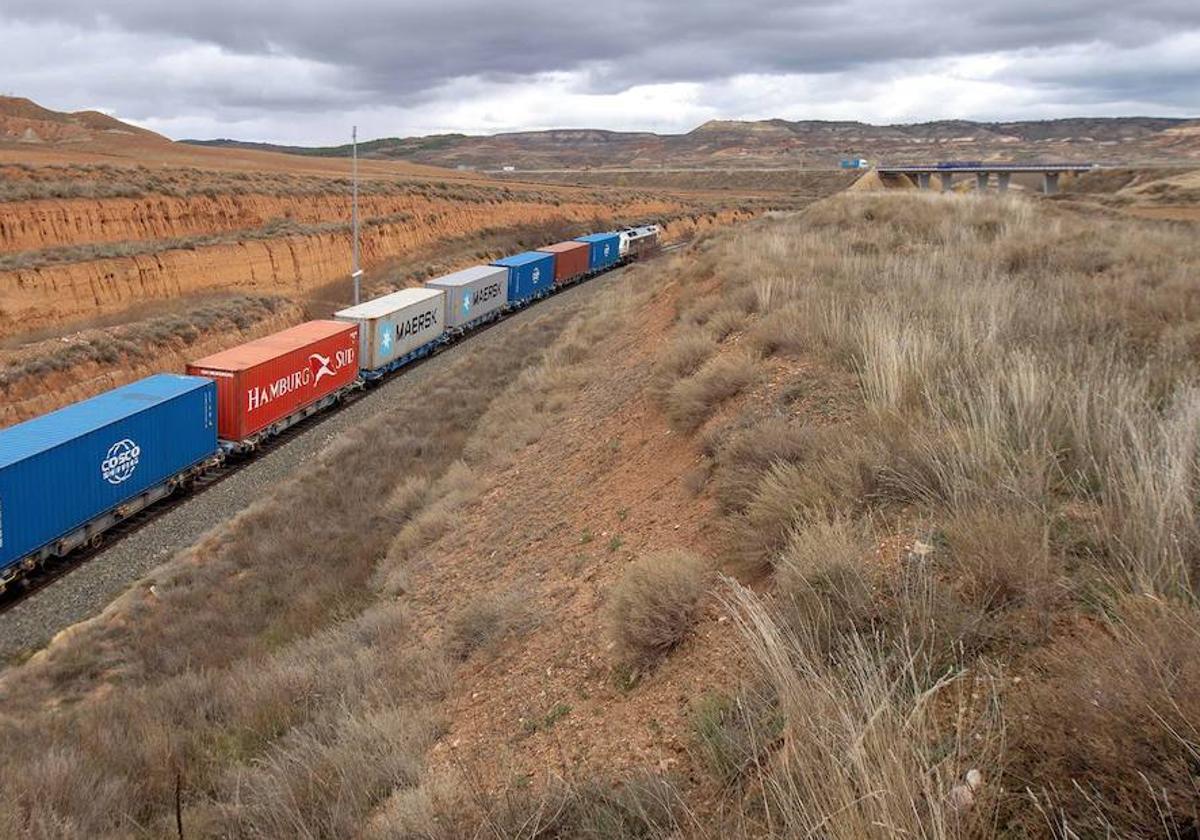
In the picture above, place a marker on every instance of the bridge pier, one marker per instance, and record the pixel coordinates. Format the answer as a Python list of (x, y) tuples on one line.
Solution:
[(981, 181), (1002, 181), (947, 180), (1050, 183), (922, 180)]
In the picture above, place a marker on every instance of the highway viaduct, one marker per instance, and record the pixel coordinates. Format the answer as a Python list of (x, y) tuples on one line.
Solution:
[(921, 173)]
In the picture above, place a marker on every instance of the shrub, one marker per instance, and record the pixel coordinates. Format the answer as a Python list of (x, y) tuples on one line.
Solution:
[(682, 357), (653, 606), (785, 330), (692, 400), (486, 621), (821, 582), (747, 453)]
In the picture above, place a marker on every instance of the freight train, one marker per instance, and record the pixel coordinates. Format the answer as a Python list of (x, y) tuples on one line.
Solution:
[(69, 476)]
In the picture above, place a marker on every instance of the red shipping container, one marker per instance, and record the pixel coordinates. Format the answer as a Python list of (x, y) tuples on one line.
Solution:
[(570, 260), (263, 381)]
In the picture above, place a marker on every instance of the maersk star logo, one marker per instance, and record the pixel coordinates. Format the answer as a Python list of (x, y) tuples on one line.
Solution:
[(385, 343), (466, 303)]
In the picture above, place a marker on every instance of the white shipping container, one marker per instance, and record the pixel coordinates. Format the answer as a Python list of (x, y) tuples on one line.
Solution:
[(472, 293), (394, 325)]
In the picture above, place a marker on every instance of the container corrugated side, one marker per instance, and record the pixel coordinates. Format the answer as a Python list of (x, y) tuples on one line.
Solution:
[(530, 274), (570, 260), (263, 381), (392, 326), (62, 469), (472, 293), (605, 249)]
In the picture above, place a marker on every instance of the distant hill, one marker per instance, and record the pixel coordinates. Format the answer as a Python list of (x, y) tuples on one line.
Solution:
[(24, 121), (777, 142), (387, 147)]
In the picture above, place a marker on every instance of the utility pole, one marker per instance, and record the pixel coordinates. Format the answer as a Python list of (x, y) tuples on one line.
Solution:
[(355, 271)]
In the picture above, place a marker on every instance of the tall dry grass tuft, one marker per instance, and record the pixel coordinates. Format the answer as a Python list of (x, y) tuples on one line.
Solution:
[(692, 400), (1006, 353), (870, 745), (1118, 698)]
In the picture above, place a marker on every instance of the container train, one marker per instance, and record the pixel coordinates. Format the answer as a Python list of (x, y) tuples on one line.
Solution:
[(69, 476)]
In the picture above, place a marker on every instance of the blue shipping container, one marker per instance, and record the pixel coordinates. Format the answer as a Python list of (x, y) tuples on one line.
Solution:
[(605, 249), (530, 275), (63, 469)]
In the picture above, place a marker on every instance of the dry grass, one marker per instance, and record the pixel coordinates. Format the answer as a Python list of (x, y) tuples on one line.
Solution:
[(485, 622), (865, 749), (100, 181), (257, 665), (692, 400), (682, 358), (584, 806), (653, 606), (1108, 746), (1025, 453)]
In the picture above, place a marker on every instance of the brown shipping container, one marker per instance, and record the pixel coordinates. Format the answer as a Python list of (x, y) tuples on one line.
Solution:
[(263, 381), (570, 260)]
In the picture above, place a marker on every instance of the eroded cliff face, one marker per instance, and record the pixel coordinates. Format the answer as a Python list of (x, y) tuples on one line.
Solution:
[(29, 396), (36, 225), (66, 293)]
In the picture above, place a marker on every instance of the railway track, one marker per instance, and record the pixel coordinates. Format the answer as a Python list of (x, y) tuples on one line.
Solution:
[(57, 568)]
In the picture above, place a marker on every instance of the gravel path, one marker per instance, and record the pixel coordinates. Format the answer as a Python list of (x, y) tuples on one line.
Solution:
[(87, 589)]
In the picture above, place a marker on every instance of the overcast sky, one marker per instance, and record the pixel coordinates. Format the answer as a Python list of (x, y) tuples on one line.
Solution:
[(303, 71)]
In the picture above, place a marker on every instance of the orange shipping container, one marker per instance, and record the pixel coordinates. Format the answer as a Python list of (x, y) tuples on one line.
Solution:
[(570, 260), (264, 381)]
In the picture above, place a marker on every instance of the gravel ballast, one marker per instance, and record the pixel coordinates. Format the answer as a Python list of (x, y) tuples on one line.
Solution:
[(87, 589)]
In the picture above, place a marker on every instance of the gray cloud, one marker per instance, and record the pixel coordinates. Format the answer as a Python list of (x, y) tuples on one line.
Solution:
[(363, 54)]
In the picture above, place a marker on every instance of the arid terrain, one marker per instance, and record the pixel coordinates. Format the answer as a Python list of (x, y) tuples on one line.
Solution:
[(812, 144), (873, 519), (122, 252), (868, 512)]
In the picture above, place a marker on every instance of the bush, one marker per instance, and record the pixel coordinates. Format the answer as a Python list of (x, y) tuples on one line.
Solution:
[(821, 582), (486, 621), (681, 358), (747, 453), (691, 401), (653, 606)]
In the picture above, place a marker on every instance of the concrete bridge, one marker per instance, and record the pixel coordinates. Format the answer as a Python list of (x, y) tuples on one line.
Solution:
[(922, 172)]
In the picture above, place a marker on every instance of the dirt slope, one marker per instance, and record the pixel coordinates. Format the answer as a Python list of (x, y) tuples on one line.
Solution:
[(559, 525)]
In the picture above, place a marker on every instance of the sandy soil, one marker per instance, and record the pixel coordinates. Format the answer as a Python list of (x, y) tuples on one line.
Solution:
[(559, 525)]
